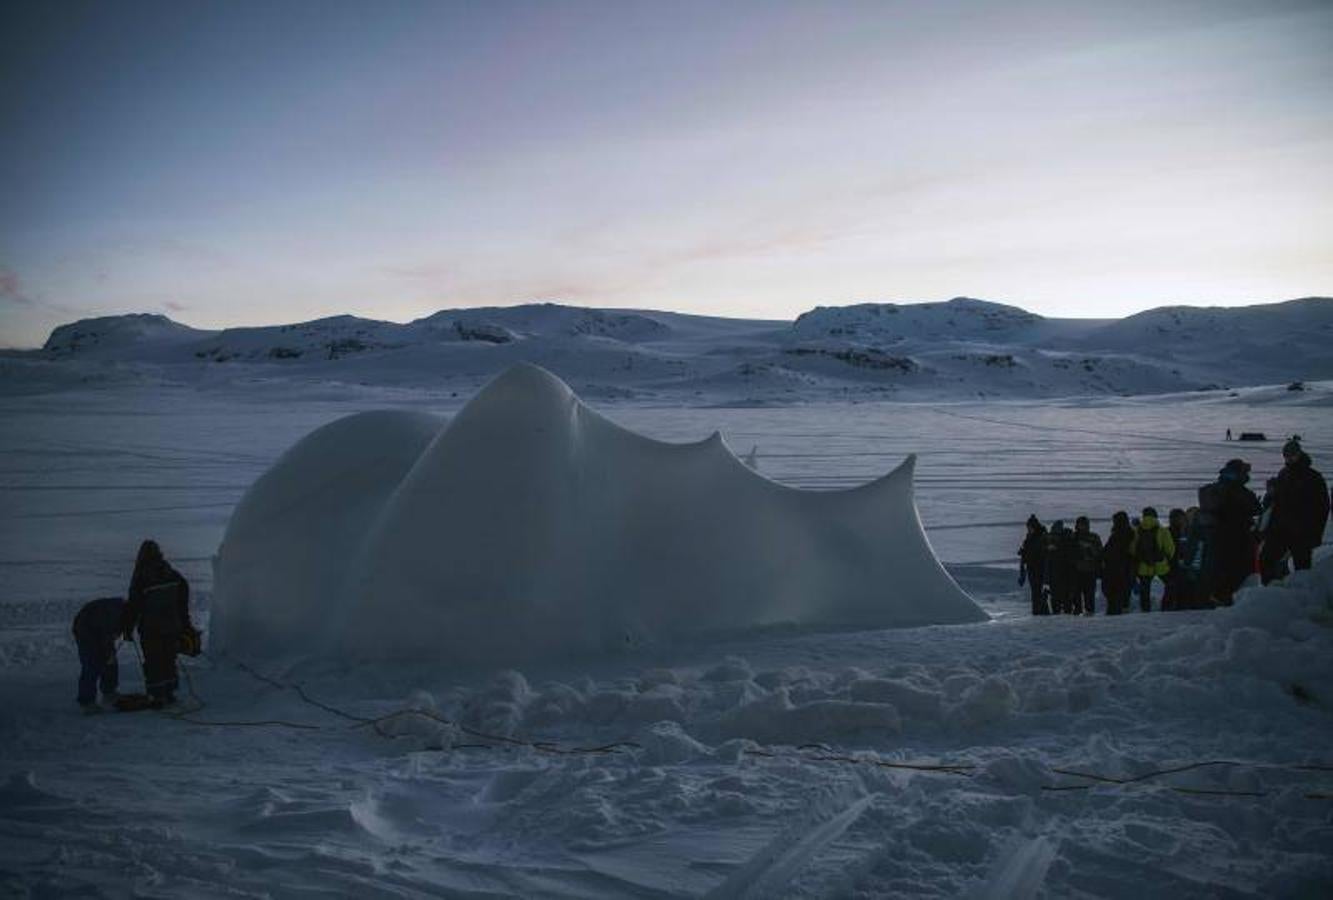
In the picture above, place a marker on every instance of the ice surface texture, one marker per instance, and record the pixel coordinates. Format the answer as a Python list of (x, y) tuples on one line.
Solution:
[(530, 526)]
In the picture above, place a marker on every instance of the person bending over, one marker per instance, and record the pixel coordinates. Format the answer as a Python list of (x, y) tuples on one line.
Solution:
[(96, 627)]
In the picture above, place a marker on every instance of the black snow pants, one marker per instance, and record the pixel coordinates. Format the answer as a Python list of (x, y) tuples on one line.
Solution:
[(1038, 601), (1085, 597), (1117, 596), (1272, 552), (1145, 592), (159, 665), (1062, 596)]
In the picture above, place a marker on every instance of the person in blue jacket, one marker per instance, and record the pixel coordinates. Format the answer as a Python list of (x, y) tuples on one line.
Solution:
[(95, 628)]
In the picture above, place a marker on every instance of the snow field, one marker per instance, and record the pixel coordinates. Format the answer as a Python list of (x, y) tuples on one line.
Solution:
[(117, 805)]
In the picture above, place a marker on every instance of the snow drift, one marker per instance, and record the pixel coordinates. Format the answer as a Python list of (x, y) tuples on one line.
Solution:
[(531, 526)]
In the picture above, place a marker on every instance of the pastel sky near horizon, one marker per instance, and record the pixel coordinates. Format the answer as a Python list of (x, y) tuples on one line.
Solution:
[(257, 163)]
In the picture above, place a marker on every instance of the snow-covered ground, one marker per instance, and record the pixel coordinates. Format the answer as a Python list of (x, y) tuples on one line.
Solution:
[(754, 762)]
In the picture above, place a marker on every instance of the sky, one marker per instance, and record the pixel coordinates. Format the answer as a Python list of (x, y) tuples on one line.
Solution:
[(262, 163)]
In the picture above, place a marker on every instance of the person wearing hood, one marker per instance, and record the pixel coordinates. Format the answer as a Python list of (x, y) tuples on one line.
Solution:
[(1032, 564), (1300, 504), (1152, 550), (1227, 509), (1060, 567), (1118, 564), (159, 607), (1088, 553), (1177, 591)]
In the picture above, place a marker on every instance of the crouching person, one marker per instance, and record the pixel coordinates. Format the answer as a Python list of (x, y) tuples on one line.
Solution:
[(95, 629), (159, 606)]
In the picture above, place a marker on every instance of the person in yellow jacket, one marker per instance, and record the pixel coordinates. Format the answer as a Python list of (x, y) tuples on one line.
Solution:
[(1152, 550)]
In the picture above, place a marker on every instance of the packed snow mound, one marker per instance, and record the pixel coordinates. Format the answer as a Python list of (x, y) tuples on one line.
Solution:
[(530, 526), (286, 551)]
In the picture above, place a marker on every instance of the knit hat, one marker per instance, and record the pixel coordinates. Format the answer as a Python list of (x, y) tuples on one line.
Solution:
[(1239, 466), (1149, 511), (1292, 447)]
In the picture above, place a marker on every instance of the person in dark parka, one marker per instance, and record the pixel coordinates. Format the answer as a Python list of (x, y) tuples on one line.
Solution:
[(1227, 509), (1032, 564), (159, 606), (1300, 512), (1176, 594), (96, 627), (1118, 565), (1060, 567), (1087, 566)]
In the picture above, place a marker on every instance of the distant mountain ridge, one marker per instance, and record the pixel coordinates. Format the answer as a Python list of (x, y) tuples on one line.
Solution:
[(962, 347)]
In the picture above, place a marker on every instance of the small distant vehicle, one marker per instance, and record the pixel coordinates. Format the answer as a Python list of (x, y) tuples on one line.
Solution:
[(1252, 436)]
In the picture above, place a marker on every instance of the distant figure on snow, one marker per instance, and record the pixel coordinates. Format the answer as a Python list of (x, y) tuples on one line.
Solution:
[(1224, 531), (1032, 564), (1300, 503), (159, 605), (95, 628), (1152, 551), (1118, 564), (1228, 434), (1087, 566)]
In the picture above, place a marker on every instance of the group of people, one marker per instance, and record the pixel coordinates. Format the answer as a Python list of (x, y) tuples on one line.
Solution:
[(156, 613), (1201, 555)]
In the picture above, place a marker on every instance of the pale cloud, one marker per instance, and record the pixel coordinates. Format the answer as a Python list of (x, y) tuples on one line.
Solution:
[(11, 288)]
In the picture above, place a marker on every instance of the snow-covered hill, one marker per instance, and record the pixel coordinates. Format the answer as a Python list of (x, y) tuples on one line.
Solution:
[(1269, 343), (961, 318), (959, 349), (119, 336)]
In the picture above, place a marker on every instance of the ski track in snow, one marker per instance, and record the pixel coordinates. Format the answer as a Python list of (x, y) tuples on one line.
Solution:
[(144, 805)]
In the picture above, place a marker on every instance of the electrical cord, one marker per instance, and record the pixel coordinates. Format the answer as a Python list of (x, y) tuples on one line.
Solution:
[(809, 752)]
